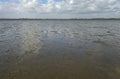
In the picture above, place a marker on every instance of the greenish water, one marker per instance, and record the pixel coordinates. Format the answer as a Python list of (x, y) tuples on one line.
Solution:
[(59, 49)]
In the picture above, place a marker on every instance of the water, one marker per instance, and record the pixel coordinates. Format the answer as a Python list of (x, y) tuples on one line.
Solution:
[(59, 49)]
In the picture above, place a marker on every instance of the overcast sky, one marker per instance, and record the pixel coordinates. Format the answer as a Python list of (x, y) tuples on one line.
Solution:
[(59, 8)]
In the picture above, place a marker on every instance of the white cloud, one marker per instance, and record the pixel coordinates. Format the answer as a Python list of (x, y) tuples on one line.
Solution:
[(64, 8)]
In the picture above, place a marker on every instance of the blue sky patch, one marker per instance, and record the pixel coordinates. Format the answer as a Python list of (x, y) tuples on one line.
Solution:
[(43, 1), (4, 0)]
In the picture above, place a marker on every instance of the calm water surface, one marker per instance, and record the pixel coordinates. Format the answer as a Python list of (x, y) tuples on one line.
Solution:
[(59, 49)]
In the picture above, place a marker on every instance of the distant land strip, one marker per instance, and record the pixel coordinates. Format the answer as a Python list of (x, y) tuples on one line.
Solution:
[(59, 19)]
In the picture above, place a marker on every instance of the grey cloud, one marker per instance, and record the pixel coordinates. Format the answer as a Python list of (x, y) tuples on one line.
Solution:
[(65, 8)]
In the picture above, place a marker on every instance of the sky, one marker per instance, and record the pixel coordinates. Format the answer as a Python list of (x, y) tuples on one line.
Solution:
[(60, 9)]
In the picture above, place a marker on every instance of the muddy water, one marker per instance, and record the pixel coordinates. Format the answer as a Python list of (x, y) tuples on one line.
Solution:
[(59, 49)]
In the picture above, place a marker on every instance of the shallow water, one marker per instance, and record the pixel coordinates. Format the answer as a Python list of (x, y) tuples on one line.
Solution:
[(59, 49)]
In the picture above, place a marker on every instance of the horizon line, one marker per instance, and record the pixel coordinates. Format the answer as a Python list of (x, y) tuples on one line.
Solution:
[(59, 18)]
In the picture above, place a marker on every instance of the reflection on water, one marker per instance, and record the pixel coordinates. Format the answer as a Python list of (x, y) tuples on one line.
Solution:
[(59, 49), (30, 39)]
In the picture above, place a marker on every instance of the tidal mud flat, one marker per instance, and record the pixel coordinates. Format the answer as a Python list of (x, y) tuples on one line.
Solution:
[(59, 49)]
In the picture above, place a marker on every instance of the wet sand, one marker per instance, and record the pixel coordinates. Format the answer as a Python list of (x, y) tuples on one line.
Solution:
[(59, 49)]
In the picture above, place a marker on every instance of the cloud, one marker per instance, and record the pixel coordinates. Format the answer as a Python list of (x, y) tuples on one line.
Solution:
[(63, 8)]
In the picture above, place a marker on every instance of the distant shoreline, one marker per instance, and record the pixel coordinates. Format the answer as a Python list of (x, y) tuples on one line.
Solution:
[(59, 19)]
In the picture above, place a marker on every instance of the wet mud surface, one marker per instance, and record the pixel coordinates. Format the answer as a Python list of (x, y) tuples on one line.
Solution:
[(59, 49)]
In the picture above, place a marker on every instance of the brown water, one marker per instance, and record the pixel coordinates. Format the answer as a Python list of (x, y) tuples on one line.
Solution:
[(59, 49)]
